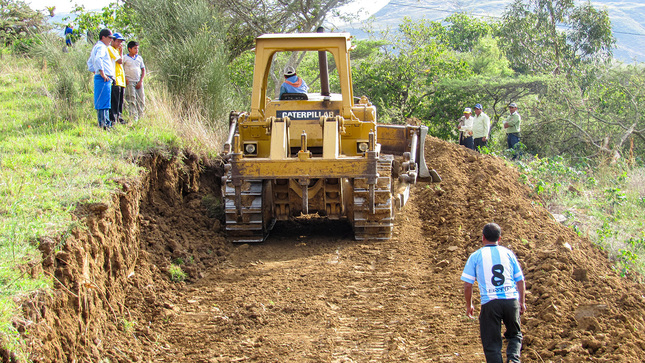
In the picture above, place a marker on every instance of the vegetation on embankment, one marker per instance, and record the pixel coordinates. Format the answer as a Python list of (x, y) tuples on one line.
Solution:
[(602, 201)]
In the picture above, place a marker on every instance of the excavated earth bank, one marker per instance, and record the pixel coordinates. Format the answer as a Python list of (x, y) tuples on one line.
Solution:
[(312, 294)]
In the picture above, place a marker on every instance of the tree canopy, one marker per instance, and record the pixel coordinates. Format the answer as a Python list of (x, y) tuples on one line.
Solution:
[(251, 18), (555, 35), (19, 23)]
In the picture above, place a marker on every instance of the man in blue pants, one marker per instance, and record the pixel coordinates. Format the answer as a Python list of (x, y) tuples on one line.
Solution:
[(512, 126), (102, 66), (501, 286)]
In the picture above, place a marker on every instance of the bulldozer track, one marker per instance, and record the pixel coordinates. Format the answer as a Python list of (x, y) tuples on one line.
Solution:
[(377, 225), (249, 227)]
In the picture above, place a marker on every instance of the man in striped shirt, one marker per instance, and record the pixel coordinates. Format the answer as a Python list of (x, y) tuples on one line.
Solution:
[(501, 286)]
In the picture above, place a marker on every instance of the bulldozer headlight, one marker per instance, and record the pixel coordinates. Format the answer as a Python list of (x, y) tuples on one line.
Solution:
[(362, 146), (250, 149)]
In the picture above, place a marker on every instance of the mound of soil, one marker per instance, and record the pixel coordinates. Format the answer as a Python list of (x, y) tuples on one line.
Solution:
[(579, 308), (310, 293)]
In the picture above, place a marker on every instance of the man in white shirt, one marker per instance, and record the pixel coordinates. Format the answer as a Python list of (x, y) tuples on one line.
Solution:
[(102, 66), (481, 128), (466, 129)]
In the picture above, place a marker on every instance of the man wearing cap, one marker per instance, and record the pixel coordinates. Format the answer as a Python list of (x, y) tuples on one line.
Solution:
[(118, 87), (292, 83), (466, 129), (101, 65), (512, 126), (481, 128)]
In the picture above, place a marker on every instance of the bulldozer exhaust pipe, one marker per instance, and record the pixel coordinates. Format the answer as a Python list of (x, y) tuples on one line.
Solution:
[(324, 70)]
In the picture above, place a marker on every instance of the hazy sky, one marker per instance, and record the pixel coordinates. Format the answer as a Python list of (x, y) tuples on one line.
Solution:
[(65, 6)]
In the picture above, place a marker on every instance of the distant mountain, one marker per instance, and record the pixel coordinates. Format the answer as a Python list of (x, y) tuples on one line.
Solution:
[(627, 18)]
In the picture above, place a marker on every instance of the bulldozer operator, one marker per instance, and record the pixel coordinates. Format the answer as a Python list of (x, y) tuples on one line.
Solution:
[(292, 83)]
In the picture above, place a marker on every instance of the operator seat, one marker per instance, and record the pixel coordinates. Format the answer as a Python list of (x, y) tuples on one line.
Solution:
[(294, 97)]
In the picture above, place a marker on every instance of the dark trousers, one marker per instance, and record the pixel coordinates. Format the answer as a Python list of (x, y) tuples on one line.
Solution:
[(492, 315), (512, 139), (116, 110), (467, 142), (478, 142)]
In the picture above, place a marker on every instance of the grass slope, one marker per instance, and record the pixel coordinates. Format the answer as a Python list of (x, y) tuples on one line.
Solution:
[(51, 162)]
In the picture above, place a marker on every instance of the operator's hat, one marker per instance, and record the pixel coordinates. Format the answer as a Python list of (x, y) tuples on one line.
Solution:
[(478, 106), (467, 110), (117, 36), (512, 105), (289, 71)]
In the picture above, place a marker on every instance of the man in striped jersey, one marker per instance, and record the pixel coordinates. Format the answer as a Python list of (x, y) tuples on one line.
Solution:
[(501, 286)]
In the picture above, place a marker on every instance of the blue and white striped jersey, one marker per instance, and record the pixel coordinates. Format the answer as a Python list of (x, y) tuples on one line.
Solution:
[(496, 270)]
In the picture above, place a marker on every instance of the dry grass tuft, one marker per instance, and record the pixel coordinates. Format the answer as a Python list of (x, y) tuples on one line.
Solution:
[(199, 133)]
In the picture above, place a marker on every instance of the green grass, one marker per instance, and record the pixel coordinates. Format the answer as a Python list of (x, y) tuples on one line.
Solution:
[(54, 157)]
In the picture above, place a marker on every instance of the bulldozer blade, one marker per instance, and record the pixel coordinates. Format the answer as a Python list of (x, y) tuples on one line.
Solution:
[(423, 168)]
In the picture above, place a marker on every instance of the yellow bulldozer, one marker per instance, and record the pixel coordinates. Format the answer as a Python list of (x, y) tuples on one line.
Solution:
[(318, 154)]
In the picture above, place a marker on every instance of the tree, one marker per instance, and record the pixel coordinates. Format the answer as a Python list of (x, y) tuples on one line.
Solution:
[(600, 121), (463, 32), (251, 18), (487, 59), (19, 23), (116, 17), (591, 37), (554, 36), (401, 77)]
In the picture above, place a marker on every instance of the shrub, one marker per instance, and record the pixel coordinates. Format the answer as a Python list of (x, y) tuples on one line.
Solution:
[(176, 273), (70, 78), (19, 25), (186, 46)]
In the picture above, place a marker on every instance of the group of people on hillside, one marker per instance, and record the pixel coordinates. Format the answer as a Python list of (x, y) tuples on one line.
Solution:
[(474, 130), (116, 77)]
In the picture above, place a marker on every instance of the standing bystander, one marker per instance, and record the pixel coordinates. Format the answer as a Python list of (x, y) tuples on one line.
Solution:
[(100, 64), (118, 87), (135, 70), (501, 288), (512, 126), (69, 35), (481, 128), (466, 129)]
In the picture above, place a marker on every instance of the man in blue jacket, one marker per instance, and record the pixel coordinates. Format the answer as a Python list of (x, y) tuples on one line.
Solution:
[(292, 83), (501, 288)]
